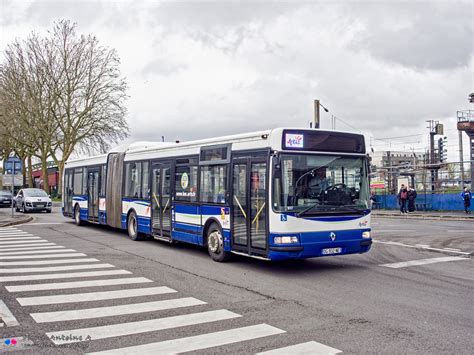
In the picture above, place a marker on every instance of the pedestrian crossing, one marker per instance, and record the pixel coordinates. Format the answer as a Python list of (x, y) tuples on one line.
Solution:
[(41, 275)]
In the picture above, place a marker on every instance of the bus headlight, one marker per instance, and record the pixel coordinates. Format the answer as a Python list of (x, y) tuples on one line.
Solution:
[(366, 235), (285, 240)]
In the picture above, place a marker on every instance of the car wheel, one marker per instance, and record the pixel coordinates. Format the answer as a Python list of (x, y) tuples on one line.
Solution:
[(215, 244), (48, 211), (16, 207), (77, 216), (132, 227), (23, 210)]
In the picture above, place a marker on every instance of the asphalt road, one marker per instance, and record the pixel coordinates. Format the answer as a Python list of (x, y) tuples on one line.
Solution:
[(370, 303)]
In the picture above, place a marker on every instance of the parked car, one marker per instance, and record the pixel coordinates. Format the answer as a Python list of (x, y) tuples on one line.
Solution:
[(28, 200), (5, 198)]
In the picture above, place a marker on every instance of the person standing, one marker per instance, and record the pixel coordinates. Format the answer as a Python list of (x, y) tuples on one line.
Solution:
[(466, 196), (402, 199), (411, 199)]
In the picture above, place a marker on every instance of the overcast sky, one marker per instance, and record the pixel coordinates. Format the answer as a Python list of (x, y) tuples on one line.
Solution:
[(206, 68)]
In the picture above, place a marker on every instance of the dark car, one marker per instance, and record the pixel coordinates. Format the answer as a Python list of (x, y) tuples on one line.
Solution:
[(33, 200), (5, 198)]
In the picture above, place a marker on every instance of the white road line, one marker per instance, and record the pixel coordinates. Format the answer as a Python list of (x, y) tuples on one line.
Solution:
[(42, 256), (53, 246), (70, 275), (47, 262), (198, 342), (3, 247), (77, 284), (7, 316), (151, 325), (420, 247), (46, 317), (18, 238), (24, 242), (9, 234), (452, 249), (36, 252), (424, 262), (43, 223), (94, 296), (311, 347), (55, 268), (460, 231)]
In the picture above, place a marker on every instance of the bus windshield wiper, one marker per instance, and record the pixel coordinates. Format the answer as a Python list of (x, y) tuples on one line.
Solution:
[(307, 209), (349, 208)]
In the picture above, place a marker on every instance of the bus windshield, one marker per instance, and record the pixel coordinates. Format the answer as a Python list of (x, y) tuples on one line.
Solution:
[(313, 184)]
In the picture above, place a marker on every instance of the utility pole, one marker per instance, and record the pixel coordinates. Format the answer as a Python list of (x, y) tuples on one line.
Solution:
[(317, 119), (435, 128)]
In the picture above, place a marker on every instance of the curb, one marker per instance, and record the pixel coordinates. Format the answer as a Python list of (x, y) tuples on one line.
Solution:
[(436, 218), (17, 222)]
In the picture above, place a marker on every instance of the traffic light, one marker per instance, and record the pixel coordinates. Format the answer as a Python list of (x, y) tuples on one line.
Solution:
[(442, 149)]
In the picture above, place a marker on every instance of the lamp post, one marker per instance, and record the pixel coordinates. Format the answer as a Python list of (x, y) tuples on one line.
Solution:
[(316, 113)]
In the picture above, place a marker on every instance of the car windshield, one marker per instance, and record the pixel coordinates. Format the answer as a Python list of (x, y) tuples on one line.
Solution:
[(320, 184), (35, 193)]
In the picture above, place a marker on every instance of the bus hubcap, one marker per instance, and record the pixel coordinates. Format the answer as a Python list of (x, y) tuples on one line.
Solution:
[(214, 241), (132, 226)]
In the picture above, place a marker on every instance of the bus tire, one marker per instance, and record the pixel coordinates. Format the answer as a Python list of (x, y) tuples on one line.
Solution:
[(77, 216), (215, 244), (132, 227)]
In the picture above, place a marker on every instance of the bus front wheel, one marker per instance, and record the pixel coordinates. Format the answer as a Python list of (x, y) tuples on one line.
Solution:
[(215, 244), (132, 227)]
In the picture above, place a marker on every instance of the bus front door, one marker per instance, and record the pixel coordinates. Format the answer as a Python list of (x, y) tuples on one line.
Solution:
[(161, 200), (93, 194), (249, 222), (68, 193)]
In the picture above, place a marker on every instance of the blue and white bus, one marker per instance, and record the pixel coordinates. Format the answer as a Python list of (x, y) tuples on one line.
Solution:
[(284, 193)]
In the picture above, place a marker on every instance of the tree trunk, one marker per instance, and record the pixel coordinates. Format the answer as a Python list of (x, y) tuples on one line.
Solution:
[(44, 173), (60, 165), (30, 171)]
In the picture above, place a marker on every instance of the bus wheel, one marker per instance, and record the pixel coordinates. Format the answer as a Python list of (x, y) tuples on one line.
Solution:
[(77, 216), (132, 227), (215, 244)]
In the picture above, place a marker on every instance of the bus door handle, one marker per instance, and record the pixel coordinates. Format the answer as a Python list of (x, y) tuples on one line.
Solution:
[(258, 213), (156, 199), (240, 206)]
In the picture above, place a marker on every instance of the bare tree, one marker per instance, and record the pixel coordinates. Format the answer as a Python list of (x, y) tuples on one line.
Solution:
[(89, 94), (62, 92)]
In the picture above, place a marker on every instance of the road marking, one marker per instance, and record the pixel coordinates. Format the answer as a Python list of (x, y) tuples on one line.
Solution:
[(75, 314), (94, 296), (151, 325), (47, 262), (63, 276), (199, 342), (44, 223), (421, 247), (54, 268), (452, 249), (53, 246), (18, 238), (9, 234), (2, 247), (77, 284), (424, 262), (459, 231), (6, 316), (29, 242), (41, 256), (311, 347), (27, 252)]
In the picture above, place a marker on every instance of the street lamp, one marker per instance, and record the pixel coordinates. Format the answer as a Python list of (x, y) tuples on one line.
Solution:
[(316, 113)]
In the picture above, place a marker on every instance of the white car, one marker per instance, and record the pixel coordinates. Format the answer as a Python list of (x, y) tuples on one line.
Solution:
[(28, 200)]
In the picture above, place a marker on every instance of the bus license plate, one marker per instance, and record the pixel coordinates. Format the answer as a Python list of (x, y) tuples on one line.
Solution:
[(329, 251)]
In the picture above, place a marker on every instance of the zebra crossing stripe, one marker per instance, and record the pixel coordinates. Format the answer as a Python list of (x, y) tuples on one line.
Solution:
[(41, 256), (93, 296), (9, 234), (152, 325), (77, 284), (6, 315), (36, 252), (47, 262), (24, 245), (424, 262), (54, 268), (199, 342), (29, 242), (53, 246), (46, 317), (18, 238), (63, 276), (310, 347)]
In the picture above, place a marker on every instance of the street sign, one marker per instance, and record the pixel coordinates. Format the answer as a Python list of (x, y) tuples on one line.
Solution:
[(17, 180)]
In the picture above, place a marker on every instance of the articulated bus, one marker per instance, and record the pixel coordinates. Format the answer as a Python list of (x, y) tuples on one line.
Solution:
[(279, 194)]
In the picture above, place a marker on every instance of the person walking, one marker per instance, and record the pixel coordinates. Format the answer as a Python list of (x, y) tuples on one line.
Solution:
[(466, 196), (411, 199), (402, 199)]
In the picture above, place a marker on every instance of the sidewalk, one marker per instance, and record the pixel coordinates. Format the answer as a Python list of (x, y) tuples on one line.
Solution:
[(447, 215), (18, 218)]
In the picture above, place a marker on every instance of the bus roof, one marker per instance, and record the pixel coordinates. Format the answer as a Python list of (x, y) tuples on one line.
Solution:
[(271, 139)]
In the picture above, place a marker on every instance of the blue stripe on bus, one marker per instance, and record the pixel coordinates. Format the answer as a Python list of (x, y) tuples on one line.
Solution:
[(187, 209), (214, 210), (138, 202), (80, 198)]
